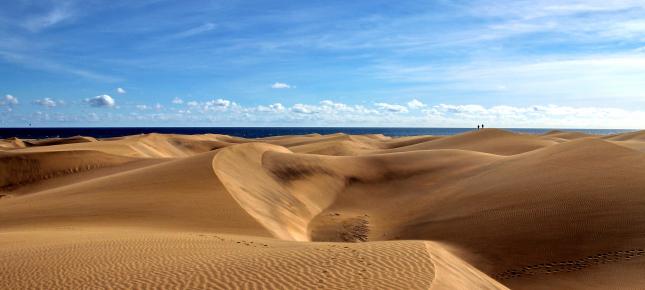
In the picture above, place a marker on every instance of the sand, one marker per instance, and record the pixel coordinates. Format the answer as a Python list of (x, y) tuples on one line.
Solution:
[(487, 209)]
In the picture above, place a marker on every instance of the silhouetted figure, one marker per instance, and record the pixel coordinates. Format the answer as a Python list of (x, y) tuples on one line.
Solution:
[(482, 126), (477, 126)]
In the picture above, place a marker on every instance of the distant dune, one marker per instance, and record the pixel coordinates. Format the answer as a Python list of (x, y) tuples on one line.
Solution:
[(487, 209)]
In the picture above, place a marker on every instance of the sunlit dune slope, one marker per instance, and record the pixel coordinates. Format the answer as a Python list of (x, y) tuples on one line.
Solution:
[(182, 193), (12, 143), (127, 259)]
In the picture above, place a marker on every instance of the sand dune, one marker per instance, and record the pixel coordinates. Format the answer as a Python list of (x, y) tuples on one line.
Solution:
[(59, 141), (488, 209), (145, 145), (12, 143), (567, 135), (634, 140), (489, 141)]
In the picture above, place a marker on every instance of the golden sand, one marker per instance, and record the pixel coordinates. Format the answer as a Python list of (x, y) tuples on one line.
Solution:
[(488, 209)]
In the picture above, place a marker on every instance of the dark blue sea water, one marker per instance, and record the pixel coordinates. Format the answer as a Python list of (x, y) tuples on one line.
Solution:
[(255, 132)]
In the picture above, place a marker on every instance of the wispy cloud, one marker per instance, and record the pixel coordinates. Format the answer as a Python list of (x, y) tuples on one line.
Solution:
[(527, 9), (54, 67), (206, 27), (608, 77), (61, 11)]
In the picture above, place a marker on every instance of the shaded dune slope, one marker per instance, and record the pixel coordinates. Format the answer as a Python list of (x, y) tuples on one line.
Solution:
[(24, 168), (59, 141)]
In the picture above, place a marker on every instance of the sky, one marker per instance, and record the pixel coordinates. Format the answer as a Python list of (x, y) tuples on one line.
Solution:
[(508, 64)]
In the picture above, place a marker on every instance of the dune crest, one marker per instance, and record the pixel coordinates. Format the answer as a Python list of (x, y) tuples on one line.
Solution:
[(284, 208)]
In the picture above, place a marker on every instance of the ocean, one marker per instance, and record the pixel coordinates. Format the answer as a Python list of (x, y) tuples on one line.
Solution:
[(257, 132)]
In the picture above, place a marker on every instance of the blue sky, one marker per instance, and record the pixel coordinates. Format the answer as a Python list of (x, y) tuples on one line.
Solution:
[(541, 63)]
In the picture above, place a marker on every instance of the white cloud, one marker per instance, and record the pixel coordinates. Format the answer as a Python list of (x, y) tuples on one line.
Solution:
[(392, 108), (539, 116), (102, 101), (218, 105), (461, 109), (279, 85), (324, 110), (177, 101), (9, 100), (331, 113), (303, 109), (335, 106), (121, 90), (46, 102), (277, 107), (331, 107), (415, 104), (274, 108)]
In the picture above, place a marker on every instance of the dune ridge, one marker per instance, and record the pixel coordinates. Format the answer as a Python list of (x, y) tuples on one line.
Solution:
[(487, 209)]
